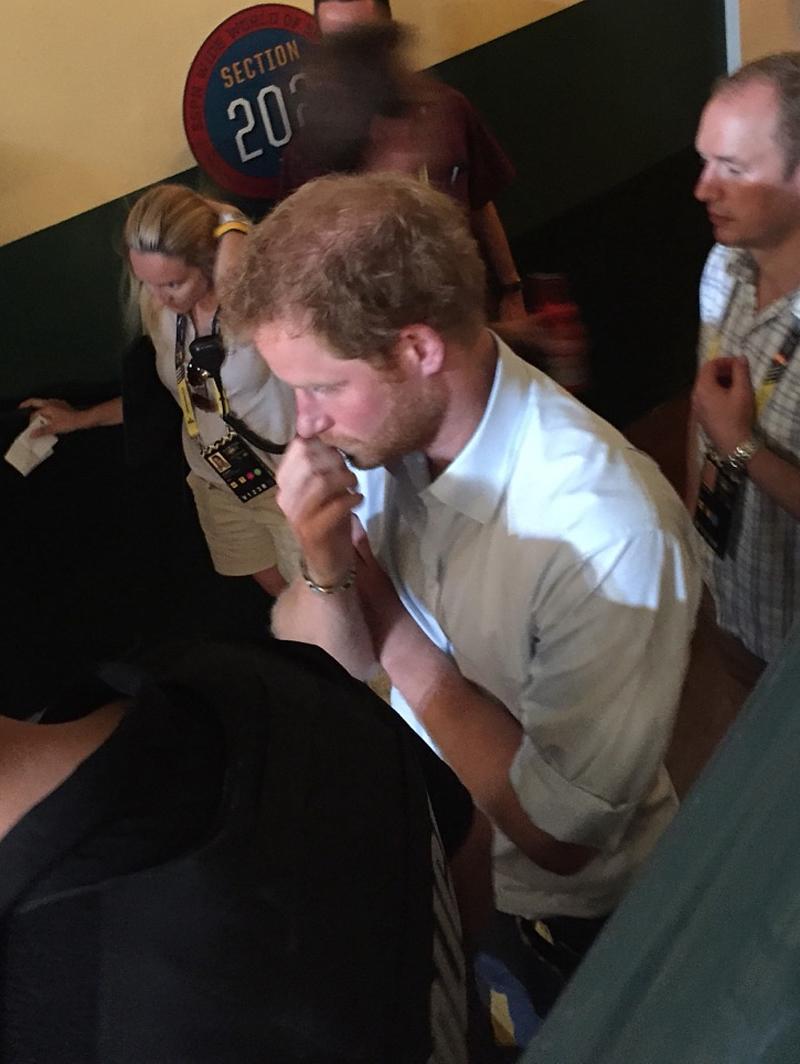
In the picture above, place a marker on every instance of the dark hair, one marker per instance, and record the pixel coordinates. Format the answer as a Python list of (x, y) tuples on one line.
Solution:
[(383, 4), (782, 71)]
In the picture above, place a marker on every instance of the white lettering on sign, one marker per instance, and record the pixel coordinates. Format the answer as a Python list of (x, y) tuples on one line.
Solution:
[(274, 115), (233, 107)]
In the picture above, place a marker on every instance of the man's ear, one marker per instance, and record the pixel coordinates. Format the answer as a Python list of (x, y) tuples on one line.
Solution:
[(420, 349)]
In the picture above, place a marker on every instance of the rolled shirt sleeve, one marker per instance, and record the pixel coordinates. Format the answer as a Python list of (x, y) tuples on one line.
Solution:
[(598, 708)]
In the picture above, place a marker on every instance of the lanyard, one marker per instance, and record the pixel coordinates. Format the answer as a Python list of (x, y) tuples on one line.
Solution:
[(777, 367), (212, 385), (180, 341)]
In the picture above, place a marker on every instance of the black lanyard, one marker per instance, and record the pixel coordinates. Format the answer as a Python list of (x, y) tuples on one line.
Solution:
[(782, 358), (215, 373), (180, 344)]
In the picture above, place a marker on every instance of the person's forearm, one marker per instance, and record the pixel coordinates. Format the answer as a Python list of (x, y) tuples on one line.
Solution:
[(59, 417), (492, 237), (471, 872), (333, 622), (777, 478), (477, 737), (524, 334), (101, 415)]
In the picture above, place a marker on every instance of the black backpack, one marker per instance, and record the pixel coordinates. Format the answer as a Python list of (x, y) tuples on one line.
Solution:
[(298, 929)]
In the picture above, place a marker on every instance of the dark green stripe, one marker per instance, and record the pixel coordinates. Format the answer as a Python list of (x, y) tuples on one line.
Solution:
[(592, 95)]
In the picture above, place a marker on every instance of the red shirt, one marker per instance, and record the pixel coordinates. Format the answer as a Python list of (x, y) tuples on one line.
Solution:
[(442, 138)]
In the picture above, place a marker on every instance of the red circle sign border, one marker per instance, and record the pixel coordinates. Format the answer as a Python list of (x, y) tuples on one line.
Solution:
[(259, 16)]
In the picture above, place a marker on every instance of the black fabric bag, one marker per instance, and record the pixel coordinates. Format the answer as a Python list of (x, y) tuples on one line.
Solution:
[(151, 417), (297, 928)]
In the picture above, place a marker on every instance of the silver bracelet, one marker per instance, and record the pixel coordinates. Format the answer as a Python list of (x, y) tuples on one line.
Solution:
[(328, 589)]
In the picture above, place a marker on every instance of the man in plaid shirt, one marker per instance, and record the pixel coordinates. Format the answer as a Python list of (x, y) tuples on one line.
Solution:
[(745, 464)]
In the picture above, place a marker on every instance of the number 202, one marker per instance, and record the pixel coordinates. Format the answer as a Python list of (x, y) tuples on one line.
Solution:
[(275, 139)]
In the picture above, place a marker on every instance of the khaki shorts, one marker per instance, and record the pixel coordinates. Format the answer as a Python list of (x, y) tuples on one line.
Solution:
[(244, 537)]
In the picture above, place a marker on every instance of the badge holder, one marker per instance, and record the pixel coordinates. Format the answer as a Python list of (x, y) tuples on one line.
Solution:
[(716, 499), (201, 382), (241, 469)]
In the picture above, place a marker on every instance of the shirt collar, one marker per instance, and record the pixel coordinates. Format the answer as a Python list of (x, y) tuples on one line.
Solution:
[(475, 480), (742, 267)]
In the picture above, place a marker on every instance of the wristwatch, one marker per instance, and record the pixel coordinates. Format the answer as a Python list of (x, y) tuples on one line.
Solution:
[(737, 460)]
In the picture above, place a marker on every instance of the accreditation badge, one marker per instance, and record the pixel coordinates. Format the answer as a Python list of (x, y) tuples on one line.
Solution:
[(716, 499), (240, 467)]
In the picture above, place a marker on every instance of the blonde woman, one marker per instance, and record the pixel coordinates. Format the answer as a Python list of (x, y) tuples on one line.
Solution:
[(236, 415)]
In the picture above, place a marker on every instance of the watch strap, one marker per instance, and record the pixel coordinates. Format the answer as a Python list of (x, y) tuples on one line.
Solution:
[(739, 457)]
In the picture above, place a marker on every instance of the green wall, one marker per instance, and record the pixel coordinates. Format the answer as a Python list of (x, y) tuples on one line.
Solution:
[(593, 95), (60, 299), (583, 101)]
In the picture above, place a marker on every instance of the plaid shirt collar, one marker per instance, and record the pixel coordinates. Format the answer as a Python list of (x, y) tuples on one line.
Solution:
[(742, 267)]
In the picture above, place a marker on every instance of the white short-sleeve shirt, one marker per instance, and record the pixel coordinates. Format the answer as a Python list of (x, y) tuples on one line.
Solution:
[(555, 564)]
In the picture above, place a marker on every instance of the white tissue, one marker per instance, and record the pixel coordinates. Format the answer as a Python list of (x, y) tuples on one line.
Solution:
[(25, 453)]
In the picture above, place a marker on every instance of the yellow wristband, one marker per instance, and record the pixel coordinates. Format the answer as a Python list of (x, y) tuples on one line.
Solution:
[(239, 226)]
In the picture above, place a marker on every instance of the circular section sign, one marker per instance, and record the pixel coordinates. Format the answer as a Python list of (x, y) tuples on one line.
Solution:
[(242, 102)]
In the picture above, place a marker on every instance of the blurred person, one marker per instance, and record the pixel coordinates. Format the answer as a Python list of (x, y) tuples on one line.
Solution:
[(333, 16), (368, 110)]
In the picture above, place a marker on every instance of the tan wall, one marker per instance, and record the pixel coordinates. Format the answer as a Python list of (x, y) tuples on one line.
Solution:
[(769, 26), (449, 27), (92, 91)]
